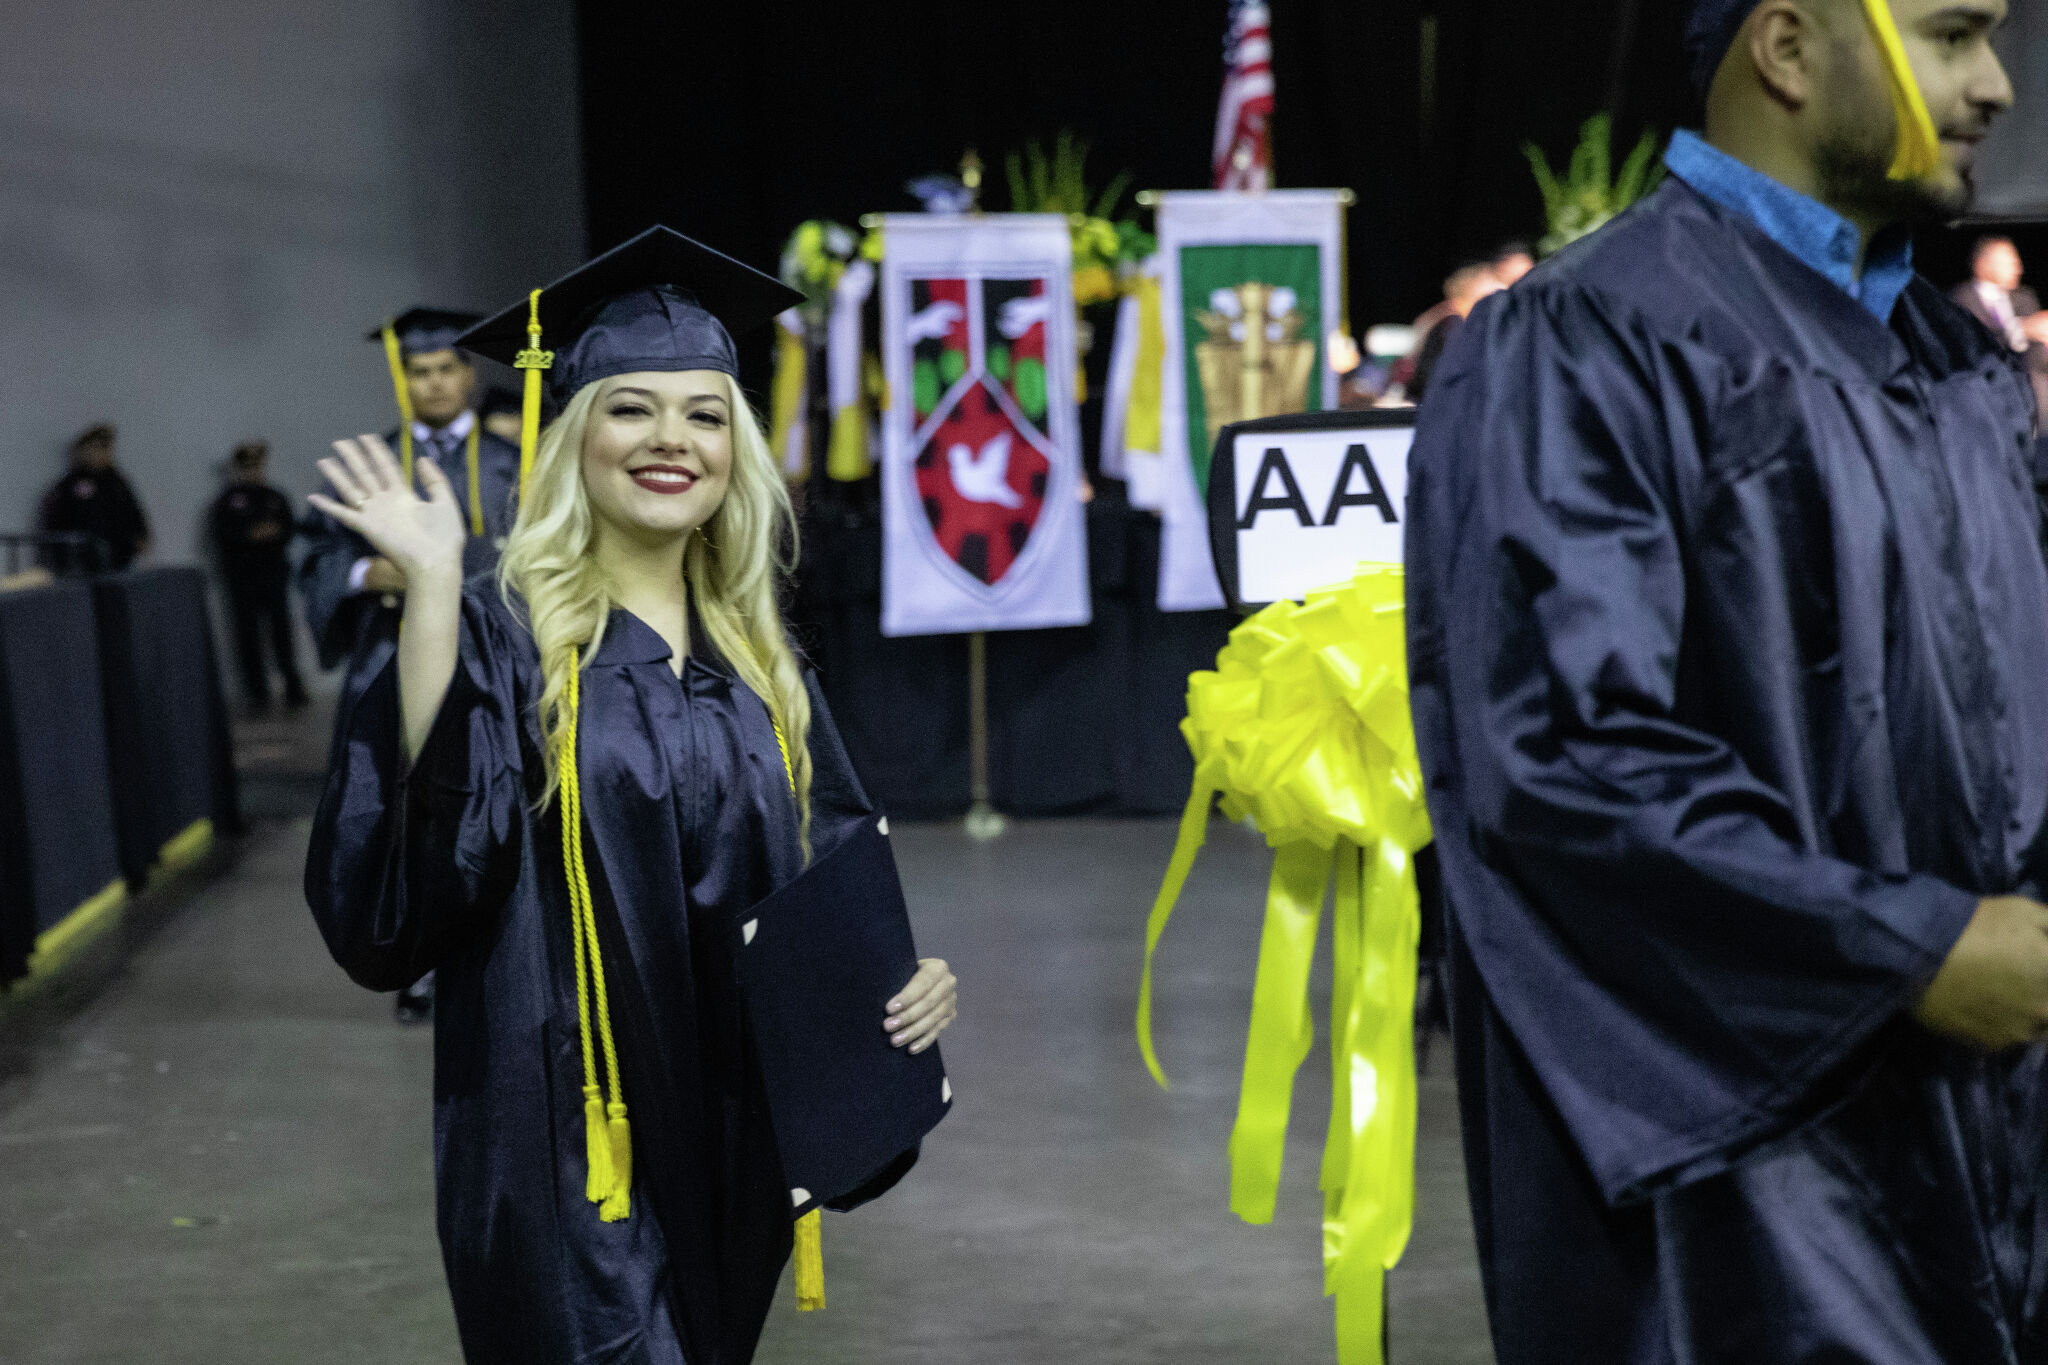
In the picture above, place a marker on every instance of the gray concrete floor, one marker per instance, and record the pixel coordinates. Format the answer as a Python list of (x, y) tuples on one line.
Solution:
[(223, 1156)]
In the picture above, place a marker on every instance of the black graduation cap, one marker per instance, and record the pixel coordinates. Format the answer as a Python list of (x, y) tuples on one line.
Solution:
[(659, 303), (820, 960), (1710, 31), (420, 330)]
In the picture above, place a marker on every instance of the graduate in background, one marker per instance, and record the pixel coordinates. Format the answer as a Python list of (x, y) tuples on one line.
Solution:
[(350, 590), (1728, 632), (95, 498), (252, 528), (352, 593), (565, 791)]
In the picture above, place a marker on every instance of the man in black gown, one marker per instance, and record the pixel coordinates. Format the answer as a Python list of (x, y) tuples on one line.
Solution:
[(353, 595), (1728, 635)]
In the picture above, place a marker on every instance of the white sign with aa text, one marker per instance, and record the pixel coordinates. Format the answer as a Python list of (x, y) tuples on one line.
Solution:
[(1313, 505)]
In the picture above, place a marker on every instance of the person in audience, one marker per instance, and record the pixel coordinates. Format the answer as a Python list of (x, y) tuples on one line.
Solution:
[(1727, 631), (95, 498), (1462, 293), (1511, 262), (252, 531), (1996, 298), (353, 595)]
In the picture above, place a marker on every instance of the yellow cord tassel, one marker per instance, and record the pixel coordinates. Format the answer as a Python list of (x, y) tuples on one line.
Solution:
[(618, 1204), (395, 357), (607, 1139), (1919, 152), (597, 1147), (810, 1263), (533, 360)]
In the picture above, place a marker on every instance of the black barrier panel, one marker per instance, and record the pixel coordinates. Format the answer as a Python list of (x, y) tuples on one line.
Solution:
[(58, 847), (1080, 720), (167, 736)]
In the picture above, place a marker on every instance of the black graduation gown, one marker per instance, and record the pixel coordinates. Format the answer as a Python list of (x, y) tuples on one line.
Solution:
[(1729, 631), (689, 819), (343, 621)]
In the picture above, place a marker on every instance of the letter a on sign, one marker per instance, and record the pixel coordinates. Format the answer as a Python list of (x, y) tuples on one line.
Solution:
[(1275, 463), (1374, 494)]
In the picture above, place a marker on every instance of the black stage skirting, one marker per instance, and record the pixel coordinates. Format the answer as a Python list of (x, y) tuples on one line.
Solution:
[(114, 749), (1081, 721), (58, 846), (167, 728)]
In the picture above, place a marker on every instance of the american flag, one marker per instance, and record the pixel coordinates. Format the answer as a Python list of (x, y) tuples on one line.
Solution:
[(1243, 158)]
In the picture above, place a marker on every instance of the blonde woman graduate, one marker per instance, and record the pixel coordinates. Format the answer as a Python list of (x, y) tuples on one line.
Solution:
[(678, 1009)]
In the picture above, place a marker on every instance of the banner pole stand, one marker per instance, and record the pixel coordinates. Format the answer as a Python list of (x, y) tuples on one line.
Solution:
[(984, 821)]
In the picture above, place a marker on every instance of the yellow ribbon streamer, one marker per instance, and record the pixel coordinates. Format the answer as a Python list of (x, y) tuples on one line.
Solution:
[(786, 400), (1303, 729), (1919, 151)]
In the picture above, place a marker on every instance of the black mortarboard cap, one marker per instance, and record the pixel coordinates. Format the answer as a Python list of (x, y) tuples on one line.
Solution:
[(820, 960), (1709, 32), (658, 303), (420, 330)]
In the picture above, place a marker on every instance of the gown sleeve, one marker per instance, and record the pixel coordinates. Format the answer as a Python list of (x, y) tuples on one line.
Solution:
[(331, 551), (407, 862), (1678, 964)]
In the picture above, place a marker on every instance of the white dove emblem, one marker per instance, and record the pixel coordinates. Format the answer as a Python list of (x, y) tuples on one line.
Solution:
[(933, 322), (984, 477)]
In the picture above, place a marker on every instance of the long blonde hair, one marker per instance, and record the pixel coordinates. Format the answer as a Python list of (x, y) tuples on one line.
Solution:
[(735, 564)]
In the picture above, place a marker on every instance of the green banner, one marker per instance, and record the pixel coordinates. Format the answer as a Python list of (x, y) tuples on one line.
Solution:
[(1252, 319)]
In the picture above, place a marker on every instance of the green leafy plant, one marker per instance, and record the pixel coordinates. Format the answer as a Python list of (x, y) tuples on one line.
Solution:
[(1057, 182), (1587, 194)]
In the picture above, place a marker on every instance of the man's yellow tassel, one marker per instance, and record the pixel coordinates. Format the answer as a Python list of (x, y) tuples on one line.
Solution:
[(618, 1203), (394, 355), (810, 1263), (597, 1147), (1919, 151)]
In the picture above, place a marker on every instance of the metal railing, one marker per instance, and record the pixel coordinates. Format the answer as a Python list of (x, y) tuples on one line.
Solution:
[(61, 552)]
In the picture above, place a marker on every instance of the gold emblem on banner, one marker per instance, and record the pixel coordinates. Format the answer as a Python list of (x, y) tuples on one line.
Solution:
[(1254, 362)]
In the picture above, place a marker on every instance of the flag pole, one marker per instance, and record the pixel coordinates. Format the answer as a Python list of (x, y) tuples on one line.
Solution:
[(984, 821)]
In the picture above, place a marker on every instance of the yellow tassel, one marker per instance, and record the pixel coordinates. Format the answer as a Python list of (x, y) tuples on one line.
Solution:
[(618, 1203), (1919, 152), (597, 1147), (533, 360), (395, 357), (810, 1263), (476, 484)]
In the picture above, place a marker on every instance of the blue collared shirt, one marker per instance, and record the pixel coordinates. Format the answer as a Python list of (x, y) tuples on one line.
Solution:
[(1809, 229)]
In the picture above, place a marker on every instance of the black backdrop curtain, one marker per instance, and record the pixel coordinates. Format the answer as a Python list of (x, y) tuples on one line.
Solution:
[(736, 122)]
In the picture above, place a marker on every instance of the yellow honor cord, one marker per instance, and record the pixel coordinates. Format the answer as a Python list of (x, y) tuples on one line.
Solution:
[(394, 355), (1304, 728), (1919, 148), (608, 1146), (607, 1135), (533, 360), (810, 1250)]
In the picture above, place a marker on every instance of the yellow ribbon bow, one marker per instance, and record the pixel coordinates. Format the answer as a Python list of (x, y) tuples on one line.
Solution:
[(1304, 729)]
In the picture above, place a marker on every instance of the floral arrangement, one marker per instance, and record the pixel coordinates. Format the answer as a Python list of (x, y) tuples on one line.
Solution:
[(815, 258), (1587, 194), (1106, 251)]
